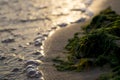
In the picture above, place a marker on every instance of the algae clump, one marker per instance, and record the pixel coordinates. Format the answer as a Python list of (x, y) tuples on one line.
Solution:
[(97, 47)]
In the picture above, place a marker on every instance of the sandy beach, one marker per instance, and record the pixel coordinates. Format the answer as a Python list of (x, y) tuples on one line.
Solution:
[(58, 41), (20, 26), (56, 46)]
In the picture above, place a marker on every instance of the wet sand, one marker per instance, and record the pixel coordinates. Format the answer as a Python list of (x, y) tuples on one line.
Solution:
[(25, 24), (21, 22), (54, 46)]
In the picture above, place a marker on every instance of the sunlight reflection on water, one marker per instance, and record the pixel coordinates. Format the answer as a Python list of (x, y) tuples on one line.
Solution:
[(30, 17)]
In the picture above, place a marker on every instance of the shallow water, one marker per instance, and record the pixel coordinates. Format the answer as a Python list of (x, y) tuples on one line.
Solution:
[(37, 16), (40, 14), (26, 20)]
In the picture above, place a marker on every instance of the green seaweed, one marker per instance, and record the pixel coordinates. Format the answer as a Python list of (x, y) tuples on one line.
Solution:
[(101, 20), (97, 47)]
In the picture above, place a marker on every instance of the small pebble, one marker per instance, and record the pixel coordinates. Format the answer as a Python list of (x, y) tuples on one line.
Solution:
[(30, 66), (38, 33), (38, 43), (38, 74), (31, 72), (38, 37), (29, 43), (37, 53), (19, 59), (19, 45), (45, 34), (2, 57), (15, 70), (13, 49), (22, 46), (31, 62), (63, 24), (8, 40), (80, 20), (54, 28)]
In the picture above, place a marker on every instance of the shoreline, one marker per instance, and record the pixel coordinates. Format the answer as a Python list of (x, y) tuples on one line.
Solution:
[(19, 37), (54, 46)]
